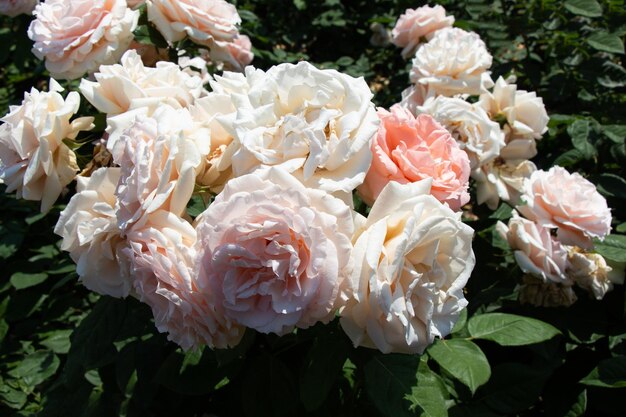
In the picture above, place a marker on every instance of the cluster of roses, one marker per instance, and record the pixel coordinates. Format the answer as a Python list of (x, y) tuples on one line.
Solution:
[(498, 133), (275, 157), (75, 37)]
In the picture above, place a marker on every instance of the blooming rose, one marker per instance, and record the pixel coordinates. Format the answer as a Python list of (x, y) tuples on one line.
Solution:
[(412, 258), (469, 124), (273, 253), (202, 20), (568, 202), (415, 24), (235, 54), (14, 7), (591, 272), (158, 157), (409, 149), (75, 37), (413, 97), (130, 85), (453, 62), (34, 161), (537, 292), (315, 124), (501, 179), (162, 253), (536, 252), (90, 234)]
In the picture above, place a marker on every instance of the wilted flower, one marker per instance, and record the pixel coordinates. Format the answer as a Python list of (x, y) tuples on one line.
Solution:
[(591, 272)]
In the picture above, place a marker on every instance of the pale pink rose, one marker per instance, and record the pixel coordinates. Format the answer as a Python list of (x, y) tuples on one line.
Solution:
[(569, 203), (14, 7), (273, 253), (75, 37), (415, 24), (202, 20), (158, 157), (90, 234), (408, 149), (536, 251), (591, 272), (413, 97), (453, 62), (412, 258), (162, 253), (501, 179), (34, 161), (235, 54)]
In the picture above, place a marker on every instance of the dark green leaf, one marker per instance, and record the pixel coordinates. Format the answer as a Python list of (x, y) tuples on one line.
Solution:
[(389, 381), (589, 8), (616, 133), (606, 42), (36, 368), (612, 185), (57, 341), (21, 280), (463, 359), (510, 329), (514, 387), (269, 389), (613, 247), (579, 132), (11, 397), (610, 373), (571, 157)]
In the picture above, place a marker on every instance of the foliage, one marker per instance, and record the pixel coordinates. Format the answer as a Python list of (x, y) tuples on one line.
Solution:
[(67, 352)]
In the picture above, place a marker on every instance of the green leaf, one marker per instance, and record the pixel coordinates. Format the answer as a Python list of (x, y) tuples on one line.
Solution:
[(269, 389), (579, 407), (389, 382), (461, 322), (610, 373), (616, 133), (11, 397), (430, 394), (606, 42), (36, 368), (613, 247), (621, 228), (579, 132), (20, 280), (463, 359), (514, 387), (612, 185), (4, 329), (510, 329), (588, 8), (322, 368), (57, 341), (571, 157)]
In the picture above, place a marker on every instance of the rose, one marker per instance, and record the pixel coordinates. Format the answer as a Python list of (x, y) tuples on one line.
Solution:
[(202, 20), (131, 85), (568, 202), (408, 149), (273, 253), (591, 272), (536, 252), (315, 124), (235, 54), (453, 62), (501, 179), (77, 36), (415, 24), (34, 161), (162, 253), (158, 157), (14, 7), (469, 124), (412, 258), (540, 293), (89, 230)]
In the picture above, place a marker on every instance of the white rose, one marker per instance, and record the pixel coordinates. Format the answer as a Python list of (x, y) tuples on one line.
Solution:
[(158, 157), (315, 124), (77, 36), (89, 230), (34, 161), (412, 258), (536, 251), (501, 179), (162, 253), (591, 272), (453, 62), (131, 85), (470, 125)]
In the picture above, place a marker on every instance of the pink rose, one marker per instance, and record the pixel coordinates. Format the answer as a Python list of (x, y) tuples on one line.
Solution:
[(408, 149), (202, 20), (569, 203), (416, 24), (274, 254), (77, 36), (14, 7), (536, 252), (235, 54), (162, 254)]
